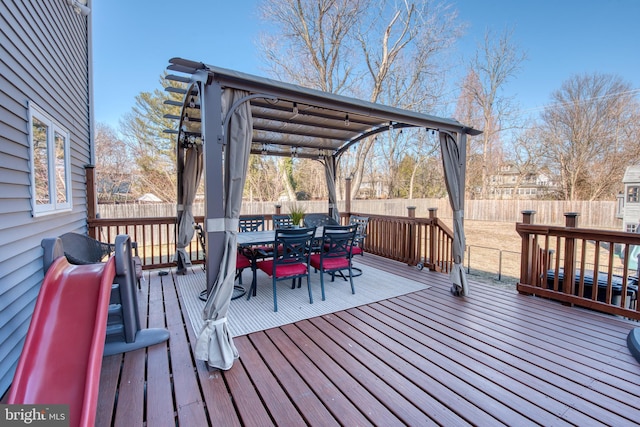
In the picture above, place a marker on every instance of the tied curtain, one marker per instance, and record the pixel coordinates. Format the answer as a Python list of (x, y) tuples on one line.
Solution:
[(453, 162), (192, 173), (215, 343), (330, 175)]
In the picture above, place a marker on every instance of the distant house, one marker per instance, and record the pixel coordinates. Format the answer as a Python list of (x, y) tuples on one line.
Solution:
[(149, 198), (512, 183), (629, 199), (45, 145)]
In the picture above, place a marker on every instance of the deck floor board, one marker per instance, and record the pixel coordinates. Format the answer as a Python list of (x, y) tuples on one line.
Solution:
[(426, 358)]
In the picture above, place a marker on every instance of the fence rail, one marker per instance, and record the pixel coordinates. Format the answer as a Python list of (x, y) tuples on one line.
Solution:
[(578, 265), (594, 214), (407, 239)]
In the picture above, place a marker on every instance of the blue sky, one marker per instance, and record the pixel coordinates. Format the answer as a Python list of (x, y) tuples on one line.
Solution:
[(134, 40)]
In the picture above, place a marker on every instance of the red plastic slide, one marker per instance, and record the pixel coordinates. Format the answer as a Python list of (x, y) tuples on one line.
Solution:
[(62, 355)]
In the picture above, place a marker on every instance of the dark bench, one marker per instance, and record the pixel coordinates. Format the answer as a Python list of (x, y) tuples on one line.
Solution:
[(603, 279)]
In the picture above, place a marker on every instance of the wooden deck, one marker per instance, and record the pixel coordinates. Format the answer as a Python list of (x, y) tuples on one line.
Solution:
[(427, 358)]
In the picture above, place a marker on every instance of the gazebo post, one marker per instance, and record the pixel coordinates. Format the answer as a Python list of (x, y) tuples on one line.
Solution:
[(211, 105), (347, 196)]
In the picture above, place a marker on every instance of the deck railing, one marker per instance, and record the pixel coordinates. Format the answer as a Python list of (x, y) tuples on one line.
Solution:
[(597, 260), (408, 239)]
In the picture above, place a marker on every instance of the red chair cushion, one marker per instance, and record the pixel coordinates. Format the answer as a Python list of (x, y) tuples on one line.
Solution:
[(288, 270), (242, 262), (356, 250), (329, 263)]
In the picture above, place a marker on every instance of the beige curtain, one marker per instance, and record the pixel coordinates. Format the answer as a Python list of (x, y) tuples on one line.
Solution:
[(192, 173), (453, 162), (215, 343), (330, 175)]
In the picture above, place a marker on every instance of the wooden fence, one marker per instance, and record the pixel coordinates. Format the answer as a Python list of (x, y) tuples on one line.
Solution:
[(593, 214)]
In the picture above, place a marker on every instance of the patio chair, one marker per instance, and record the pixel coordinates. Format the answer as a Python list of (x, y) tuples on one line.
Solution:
[(282, 221), (81, 249), (242, 262), (318, 220), (292, 262), (336, 253), (251, 223), (361, 233), (248, 224)]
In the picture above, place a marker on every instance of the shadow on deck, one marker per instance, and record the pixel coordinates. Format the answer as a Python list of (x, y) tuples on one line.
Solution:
[(425, 358)]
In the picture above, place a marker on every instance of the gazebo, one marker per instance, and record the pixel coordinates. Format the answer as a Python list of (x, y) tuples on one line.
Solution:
[(227, 115)]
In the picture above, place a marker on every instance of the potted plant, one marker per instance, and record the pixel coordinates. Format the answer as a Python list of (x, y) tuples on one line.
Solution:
[(296, 212)]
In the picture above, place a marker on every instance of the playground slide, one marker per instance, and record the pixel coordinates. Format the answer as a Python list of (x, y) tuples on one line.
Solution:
[(62, 355)]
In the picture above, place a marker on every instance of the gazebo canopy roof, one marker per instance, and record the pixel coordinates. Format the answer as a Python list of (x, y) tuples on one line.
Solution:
[(291, 120)]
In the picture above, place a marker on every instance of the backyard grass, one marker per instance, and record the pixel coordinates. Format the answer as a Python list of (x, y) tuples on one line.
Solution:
[(493, 252)]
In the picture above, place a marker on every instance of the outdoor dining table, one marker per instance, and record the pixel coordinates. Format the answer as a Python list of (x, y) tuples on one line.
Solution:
[(252, 239), (263, 237)]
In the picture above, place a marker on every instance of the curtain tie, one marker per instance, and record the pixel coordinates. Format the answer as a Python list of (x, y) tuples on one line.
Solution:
[(218, 322), (221, 224)]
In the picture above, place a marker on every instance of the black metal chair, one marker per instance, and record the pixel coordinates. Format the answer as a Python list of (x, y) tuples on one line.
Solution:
[(318, 220), (251, 223), (361, 233), (292, 262), (242, 262), (282, 221), (336, 253)]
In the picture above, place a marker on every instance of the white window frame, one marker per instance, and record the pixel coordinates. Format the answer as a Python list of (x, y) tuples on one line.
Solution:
[(53, 129), (633, 194)]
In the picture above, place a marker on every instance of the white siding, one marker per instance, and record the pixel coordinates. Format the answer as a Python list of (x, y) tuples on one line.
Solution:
[(44, 53)]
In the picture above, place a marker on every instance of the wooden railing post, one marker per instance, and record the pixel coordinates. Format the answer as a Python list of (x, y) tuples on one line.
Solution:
[(568, 283), (347, 196), (92, 203), (527, 252), (411, 244), (278, 209), (433, 237)]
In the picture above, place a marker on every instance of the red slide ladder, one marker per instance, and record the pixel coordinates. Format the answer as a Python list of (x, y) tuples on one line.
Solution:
[(62, 354)]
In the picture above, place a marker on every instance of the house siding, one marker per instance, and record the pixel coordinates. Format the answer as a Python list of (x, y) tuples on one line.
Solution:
[(44, 58), (631, 211)]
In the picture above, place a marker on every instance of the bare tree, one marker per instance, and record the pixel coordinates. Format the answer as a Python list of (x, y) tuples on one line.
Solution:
[(469, 112), (381, 50), (114, 172), (589, 134), (263, 182), (495, 62)]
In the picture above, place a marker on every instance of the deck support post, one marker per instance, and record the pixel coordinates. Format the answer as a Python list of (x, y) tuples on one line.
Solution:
[(90, 182), (411, 237), (433, 238), (527, 251), (571, 221)]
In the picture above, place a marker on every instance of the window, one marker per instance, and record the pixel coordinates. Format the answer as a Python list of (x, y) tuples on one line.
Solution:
[(50, 165), (632, 194), (631, 228)]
